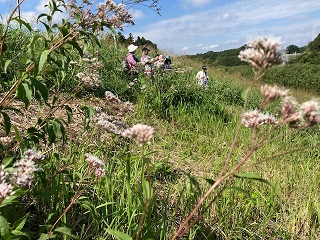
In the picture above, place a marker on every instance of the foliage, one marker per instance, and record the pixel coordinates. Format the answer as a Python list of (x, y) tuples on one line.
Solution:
[(66, 174)]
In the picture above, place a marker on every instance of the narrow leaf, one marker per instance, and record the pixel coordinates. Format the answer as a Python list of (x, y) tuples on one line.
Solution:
[(4, 229), (27, 25), (245, 93), (119, 235), (24, 93), (6, 65), (6, 122), (41, 88), (43, 59)]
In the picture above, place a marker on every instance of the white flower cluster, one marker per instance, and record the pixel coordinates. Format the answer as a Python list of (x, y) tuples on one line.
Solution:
[(6, 189), (108, 13), (111, 97), (24, 169), (262, 53), (140, 133), (96, 165), (90, 75), (112, 126), (255, 119), (5, 140)]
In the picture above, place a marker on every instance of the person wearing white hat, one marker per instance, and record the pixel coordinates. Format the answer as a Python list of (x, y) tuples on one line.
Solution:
[(202, 76), (132, 60)]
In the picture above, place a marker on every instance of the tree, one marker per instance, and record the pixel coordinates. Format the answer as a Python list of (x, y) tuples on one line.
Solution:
[(293, 49), (121, 38), (130, 39)]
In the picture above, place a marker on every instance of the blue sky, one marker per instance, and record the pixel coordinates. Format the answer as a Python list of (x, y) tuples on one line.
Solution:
[(198, 26)]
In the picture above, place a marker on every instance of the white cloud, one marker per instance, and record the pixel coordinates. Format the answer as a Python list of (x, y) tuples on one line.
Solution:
[(196, 3), (136, 14), (226, 16), (210, 47), (231, 41), (245, 18)]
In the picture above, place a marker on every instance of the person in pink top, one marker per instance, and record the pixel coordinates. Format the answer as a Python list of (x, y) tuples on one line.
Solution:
[(132, 60), (148, 62)]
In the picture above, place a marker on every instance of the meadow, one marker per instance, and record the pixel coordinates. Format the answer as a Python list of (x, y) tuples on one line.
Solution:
[(89, 153)]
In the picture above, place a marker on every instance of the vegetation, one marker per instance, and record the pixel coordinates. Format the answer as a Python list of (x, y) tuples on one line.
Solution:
[(88, 153)]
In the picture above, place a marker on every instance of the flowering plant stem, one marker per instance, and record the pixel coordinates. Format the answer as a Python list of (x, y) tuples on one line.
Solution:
[(224, 175), (145, 162)]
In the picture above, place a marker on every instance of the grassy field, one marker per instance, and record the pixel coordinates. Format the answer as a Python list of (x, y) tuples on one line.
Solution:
[(92, 177)]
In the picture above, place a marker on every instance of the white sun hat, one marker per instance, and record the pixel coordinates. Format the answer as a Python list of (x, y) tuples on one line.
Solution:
[(132, 48)]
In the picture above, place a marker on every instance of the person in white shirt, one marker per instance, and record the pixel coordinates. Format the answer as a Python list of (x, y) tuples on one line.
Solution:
[(202, 76)]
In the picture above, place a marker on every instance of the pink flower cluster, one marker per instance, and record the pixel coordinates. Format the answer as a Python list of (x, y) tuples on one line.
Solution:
[(5, 141), (96, 165), (295, 114), (24, 169), (107, 13), (140, 133), (90, 75), (255, 119), (6, 189), (262, 53)]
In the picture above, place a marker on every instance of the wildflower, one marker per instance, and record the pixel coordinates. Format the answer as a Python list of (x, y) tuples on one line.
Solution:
[(96, 165), (116, 127), (24, 169), (290, 112), (311, 112), (5, 140), (273, 92), (6, 190), (141, 133), (111, 97), (262, 53), (255, 118)]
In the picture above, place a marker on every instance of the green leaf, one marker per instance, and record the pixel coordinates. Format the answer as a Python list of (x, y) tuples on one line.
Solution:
[(18, 233), (65, 231), (4, 229), (42, 15), (43, 59), (46, 236), (24, 93), (21, 222), (6, 64), (41, 88), (7, 161), (118, 235), (244, 93), (238, 189), (210, 181), (105, 204), (6, 122), (11, 199), (256, 177), (69, 113), (76, 46), (146, 189), (19, 20)]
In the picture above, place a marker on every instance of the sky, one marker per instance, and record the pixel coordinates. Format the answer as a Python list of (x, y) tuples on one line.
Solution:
[(198, 26)]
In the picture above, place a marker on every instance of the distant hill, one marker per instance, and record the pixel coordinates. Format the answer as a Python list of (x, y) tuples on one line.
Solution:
[(224, 58), (307, 54)]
